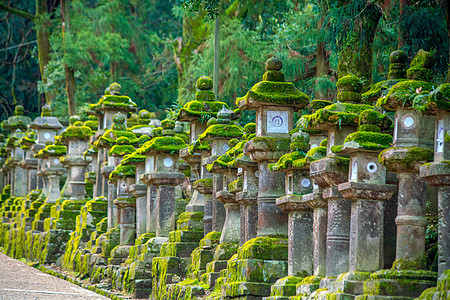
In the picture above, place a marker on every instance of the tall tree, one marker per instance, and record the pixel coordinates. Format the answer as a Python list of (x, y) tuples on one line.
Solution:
[(71, 83), (42, 25)]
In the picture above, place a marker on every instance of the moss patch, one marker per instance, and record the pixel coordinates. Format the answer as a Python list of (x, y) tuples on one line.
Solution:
[(274, 92)]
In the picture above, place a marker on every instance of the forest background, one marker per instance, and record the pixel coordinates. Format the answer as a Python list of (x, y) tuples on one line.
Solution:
[(66, 52)]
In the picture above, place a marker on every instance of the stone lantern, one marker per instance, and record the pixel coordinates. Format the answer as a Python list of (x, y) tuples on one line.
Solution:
[(339, 120), (248, 197), (219, 135), (125, 177), (111, 103), (274, 101), (274, 119), (163, 172), (196, 112), (109, 139), (52, 169), (143, 127), (76, 137), (297, 184), (367, 189), (413, 140), (437, 173), (29, 163), (139, 188)]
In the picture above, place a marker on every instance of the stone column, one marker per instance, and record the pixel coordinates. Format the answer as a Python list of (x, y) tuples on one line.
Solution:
[(320, 222), (438, 174), (127, 212), (232, 225), (248, 201), (139, 191)]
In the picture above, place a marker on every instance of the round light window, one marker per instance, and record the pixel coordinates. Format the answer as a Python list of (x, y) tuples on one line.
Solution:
[(225, 147), (47, 136), (408, 122), (256, 173), (56, 161), (306, 183), (372, 167), (168, 162), (123, 185)]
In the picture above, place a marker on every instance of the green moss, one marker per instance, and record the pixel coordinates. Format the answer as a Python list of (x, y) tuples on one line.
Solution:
[(122, 171), (133, 159), (168, 124), (413, 156), (407, 264), (349, 97), (324, 142), (197, 108), (398, 56), (318, 104), (121, 150), (423, 59), (338, 113), (419, 74), (169, 144), (349, 83), (235, 185), (115, 101), (205, 182), (108, 139), (250, 128), (273, 75), (270, 248), (221, 130), (441, 96), (369, 128), (369, 140), (272, 143), (403, 94), (275, 92), (204, 83), (52, 150), (199, 146), (286, 161), (205, 96)]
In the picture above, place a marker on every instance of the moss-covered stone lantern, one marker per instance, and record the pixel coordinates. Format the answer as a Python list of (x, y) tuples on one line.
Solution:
[(29, 163), (18, 121), (437, 173), (297, 183), (197, 112), (219, 132), (163, 172), (106, 142), (139, 188), (111, 103), (367, 190), (18, 173), (143, 126), (52, 170), (76, 137), (274, 101), (126, 204), (413, 143), (339, 119), (248, 197)]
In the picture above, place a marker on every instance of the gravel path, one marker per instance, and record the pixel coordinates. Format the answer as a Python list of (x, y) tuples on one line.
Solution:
[(19, 281)]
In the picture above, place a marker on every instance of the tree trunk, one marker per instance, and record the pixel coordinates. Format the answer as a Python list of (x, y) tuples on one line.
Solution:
[(447, 14), (322, 59), (194, 34), (42, 35), (71, 84), (356, 55)]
